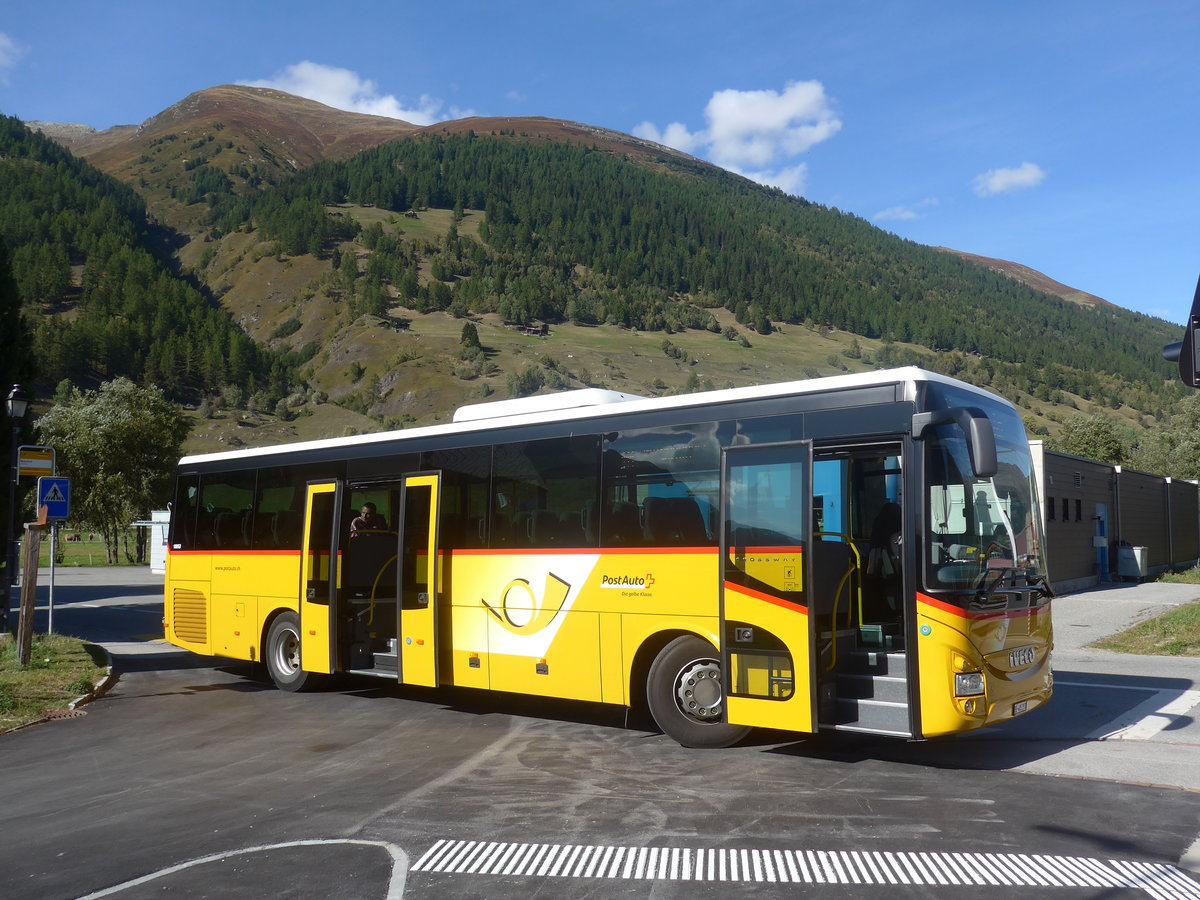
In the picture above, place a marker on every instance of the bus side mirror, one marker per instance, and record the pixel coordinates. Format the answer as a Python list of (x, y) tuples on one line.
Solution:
[(1187, 351), (981, 439)]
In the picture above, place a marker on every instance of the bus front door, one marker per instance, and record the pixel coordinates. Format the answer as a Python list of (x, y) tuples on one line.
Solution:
[(419, 579), (766, 503), (319, 580)]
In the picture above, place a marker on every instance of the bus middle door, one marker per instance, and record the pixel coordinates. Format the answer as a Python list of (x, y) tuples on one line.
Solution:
[(419, 574), (319, 578)]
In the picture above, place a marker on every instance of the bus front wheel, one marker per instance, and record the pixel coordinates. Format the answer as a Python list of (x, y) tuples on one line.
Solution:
[(281, 653), (686, 695)]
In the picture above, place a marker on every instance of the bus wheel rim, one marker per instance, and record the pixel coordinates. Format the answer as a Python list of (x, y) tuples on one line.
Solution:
[(287, 651), (698, 690)]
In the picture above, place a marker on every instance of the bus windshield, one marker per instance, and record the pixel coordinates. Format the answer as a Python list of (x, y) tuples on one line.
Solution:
[(983, 532)]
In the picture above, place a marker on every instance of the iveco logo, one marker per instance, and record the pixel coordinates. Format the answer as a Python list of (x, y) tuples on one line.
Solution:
[(1022, 656)]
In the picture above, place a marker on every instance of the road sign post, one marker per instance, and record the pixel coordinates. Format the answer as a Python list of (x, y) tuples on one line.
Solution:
[(54, 505)]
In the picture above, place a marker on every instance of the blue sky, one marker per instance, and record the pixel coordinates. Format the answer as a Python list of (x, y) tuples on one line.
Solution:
[(1062, 135)]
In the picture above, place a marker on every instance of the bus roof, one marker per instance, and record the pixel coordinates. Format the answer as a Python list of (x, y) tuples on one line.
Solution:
[(564, 407)]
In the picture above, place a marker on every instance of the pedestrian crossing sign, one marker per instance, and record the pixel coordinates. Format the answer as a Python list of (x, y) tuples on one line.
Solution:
[(55, 495)]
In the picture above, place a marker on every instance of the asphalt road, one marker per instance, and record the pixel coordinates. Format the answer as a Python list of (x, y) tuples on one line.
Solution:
[(193, 777)]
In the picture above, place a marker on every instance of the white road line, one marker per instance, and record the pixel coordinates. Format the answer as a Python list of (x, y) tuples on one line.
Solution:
[(395, 884), (1148, 718), (753, 865), (1160, 710)]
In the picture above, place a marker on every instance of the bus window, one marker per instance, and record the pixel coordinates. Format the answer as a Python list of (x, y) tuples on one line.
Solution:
[(183, 512), (542, 492), (278, 510), (669, 479), (226, 513), (466, 475)]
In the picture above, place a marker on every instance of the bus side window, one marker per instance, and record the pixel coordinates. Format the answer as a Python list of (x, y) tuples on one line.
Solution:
[(225, 518), (465, 477), (278, 510), (541, 492), (183, 512)]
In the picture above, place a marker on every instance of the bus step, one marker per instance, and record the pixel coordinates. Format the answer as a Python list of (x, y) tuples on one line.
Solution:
[(874, 662), (875, 715), (385, 661), (853, 686)]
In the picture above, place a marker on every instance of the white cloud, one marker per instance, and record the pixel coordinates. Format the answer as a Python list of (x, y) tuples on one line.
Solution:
[(344, 89), (905, 213), (674, 135), (10, 53), (757, 133), (1000, 181)]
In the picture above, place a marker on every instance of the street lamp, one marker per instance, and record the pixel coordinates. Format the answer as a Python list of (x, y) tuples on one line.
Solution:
[(16, 405)]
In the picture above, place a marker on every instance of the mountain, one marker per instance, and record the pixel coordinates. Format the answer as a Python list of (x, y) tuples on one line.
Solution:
[(1035, 279), (255, 136), (356, 250)]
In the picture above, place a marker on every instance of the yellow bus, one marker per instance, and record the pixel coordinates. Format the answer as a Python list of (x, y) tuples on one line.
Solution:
[(859, 553)]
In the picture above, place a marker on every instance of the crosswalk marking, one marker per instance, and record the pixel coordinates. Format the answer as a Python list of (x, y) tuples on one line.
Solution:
[(863, 867)]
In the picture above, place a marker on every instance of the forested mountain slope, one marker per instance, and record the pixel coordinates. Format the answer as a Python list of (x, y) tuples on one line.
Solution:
[(101, 302), (572, 232)]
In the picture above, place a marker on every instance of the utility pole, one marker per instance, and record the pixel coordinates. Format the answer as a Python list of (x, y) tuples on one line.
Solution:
[(16, 404)]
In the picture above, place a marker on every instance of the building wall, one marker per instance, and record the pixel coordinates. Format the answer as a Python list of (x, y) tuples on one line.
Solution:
[(1074, 491), (1140, 510), (1185, 521)]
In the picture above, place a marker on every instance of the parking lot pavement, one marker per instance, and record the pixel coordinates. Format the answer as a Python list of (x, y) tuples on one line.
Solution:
[(278, 789)]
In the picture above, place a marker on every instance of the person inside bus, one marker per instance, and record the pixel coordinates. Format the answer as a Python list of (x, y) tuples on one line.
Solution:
[(368, 520), (883, 559)]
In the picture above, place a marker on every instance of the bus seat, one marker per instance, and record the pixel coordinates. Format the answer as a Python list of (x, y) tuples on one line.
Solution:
[(589, 521), (570, 530), (622, 525), (452, 527), (674, 522), (227, 530), (543, 529), (262, 536), (831, 560), (502, 531), (369, 557), (285, 528)]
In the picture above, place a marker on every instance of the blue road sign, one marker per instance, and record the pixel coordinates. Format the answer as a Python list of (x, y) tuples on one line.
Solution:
[(55, 495)]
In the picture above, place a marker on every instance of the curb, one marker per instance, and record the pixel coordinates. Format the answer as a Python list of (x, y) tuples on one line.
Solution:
[(101, 687)]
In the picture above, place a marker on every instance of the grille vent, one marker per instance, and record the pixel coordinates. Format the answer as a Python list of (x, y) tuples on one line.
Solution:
[(190, 616)]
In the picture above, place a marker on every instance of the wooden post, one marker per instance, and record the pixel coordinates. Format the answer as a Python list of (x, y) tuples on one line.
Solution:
[(29, 573)]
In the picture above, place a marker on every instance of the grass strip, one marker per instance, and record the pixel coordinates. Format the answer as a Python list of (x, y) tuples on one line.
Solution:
[(60, 669), (1174, 633)]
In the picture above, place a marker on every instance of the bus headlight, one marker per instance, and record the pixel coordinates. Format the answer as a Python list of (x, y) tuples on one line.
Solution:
[(968, 684)]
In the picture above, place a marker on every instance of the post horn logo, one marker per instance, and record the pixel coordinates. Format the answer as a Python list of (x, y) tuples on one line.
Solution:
[(523, 612)]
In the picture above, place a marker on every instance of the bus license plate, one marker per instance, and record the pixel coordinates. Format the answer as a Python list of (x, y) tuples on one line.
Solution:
[(1020, 707)]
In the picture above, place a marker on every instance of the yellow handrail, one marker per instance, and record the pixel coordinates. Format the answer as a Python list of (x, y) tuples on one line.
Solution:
[(374, 585), (855, 566)]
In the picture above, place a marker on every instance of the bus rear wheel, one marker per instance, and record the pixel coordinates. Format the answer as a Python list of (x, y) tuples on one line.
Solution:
[(281, 652), (686, 695)]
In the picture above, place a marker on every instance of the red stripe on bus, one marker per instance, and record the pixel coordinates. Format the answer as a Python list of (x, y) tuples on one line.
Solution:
[(235, 552), (977, 615), (559, 551), (766, 598)]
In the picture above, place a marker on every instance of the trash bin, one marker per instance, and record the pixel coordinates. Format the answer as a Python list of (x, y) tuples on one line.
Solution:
[(1131, 562)]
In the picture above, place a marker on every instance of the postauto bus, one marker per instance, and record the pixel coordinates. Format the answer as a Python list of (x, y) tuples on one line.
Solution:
[(859, 553)]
